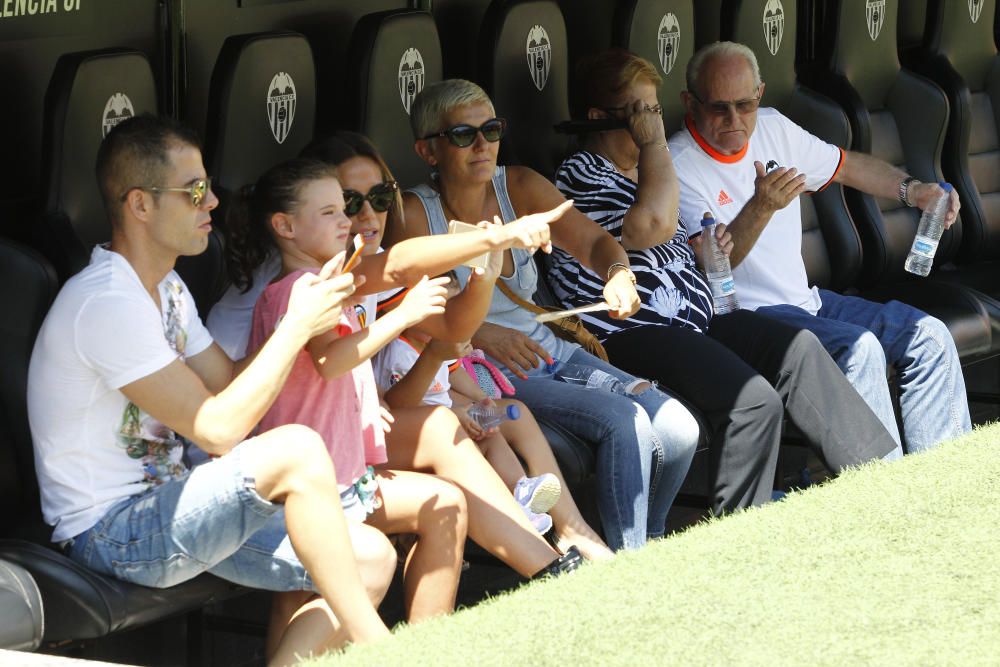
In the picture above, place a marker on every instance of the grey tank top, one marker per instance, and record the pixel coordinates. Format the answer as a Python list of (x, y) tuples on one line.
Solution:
[(523, 282)]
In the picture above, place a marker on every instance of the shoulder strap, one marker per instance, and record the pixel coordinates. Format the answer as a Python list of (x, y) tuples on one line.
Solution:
[(509, 293)]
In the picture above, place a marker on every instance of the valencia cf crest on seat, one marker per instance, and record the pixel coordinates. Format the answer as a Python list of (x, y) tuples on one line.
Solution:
[(539, 56), (668, 39), (118, 108), (975, 9), (281, 106), (774, 25), (411, 77), (875, 13)]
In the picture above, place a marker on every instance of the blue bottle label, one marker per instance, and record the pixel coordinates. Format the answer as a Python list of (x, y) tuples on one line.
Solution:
[(924, 246)]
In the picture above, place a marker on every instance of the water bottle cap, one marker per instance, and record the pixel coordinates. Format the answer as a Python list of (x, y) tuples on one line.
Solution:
[(707, 222), (946, 186), (513, 412)]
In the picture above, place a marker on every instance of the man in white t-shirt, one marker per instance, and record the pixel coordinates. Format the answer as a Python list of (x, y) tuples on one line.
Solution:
[(123, 366), (746, 167)]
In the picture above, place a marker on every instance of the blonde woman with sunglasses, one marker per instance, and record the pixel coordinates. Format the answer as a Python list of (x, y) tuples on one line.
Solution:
[(644, 440)]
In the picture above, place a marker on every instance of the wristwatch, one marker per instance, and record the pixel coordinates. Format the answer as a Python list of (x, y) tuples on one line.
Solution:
[(904, 190), (621, 265)]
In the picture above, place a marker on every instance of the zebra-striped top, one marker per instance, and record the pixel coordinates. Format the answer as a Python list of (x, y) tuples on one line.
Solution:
[(672, 290)]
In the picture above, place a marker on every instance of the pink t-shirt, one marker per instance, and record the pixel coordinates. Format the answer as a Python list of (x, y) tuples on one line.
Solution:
[(343, 410)]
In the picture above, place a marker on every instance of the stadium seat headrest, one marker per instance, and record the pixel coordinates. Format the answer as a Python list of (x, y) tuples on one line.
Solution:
[(962, 32), (864, 48), (392, 56), (89, 93), (524, 67), (662, 32), (768, 28), (262, 105)]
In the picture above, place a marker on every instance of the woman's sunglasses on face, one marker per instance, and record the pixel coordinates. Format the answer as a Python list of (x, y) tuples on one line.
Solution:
[(464, 135), (381, 197)]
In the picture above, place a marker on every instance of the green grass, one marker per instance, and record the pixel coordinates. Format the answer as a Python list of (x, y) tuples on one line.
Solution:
[(888, 564)]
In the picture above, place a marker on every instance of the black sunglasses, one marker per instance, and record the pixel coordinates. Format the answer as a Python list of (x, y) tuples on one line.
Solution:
[(381, 197), (464, 135), (197, 191)]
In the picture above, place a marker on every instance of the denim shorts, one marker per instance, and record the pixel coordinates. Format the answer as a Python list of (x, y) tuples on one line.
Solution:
[(213, 521)]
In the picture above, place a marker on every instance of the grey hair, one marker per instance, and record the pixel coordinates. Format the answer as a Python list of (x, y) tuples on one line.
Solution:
[(440, 98), (719, 50)]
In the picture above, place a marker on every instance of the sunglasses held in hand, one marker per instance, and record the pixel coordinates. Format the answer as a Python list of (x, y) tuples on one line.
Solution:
[(465, 135), (381, 197)]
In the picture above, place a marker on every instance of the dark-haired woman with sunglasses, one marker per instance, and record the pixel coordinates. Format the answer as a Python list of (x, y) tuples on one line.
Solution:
[(644, 439)]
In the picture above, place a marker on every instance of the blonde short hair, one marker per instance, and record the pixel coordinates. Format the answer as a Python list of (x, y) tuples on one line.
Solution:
[(440, 98)]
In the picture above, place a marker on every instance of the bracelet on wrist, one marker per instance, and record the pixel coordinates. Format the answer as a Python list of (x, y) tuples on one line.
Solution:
[(656, 144), (904, 190), (613, 269)]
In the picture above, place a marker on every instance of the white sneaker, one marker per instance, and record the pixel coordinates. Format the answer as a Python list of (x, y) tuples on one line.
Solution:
[(541, 522), (537, 495)]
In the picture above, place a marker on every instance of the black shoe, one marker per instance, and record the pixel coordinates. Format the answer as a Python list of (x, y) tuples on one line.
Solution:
[(568, 562)]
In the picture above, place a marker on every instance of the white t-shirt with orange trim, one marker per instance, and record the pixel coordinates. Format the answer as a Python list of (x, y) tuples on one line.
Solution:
[(773, 272)]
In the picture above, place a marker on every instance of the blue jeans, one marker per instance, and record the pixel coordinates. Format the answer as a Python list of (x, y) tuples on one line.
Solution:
[(863, 336), (644, 445), (213, 520)]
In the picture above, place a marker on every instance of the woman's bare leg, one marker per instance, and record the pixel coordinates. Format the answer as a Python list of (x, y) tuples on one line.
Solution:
[(301, 623), (526, 438), (435, 511), (431, 439)]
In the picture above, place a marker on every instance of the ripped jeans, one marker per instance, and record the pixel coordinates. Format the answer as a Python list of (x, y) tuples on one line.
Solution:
[(644, 445)]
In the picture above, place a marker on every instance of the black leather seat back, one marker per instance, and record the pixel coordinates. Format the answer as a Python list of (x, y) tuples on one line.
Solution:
[(768, 27), (962, 57), (662, 32), (830, 245), (262, 106), (523, 66), (88, 94), (392, 56), (30, 286), (880, 97)]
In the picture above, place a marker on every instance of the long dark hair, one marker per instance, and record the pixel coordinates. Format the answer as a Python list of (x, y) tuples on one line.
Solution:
[(249, 239), (340, 147)]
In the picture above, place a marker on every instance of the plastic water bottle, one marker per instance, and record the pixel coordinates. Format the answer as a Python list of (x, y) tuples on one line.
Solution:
[(490, 417), (591, 378), (929, 232), (718, 271)]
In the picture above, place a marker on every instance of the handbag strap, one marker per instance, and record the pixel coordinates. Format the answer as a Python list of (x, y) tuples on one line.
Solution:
[(527, 305)]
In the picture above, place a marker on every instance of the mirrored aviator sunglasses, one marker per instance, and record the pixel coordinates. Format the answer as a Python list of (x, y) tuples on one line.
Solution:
[(464, 135), (381, 197)]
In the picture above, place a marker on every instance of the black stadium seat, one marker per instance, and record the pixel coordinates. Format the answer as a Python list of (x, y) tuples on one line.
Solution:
[(831, 247), (79, 604), (88, 94), (523, 65), (960, 56), (864, 76), (261, 107), (392, 56), (662, 32)]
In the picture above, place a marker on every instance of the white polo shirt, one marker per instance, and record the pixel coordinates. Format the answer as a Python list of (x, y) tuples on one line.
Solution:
[(773, 272)]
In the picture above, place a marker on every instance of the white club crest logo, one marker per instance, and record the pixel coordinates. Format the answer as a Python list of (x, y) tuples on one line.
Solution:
[(281, 105), (875, 12), (668, 39), (774, 25), (411, 77), (118, 108), (975, 9), (539, 56)]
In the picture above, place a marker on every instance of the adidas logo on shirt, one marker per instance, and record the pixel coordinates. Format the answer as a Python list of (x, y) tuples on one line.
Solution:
[(724, 198)]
